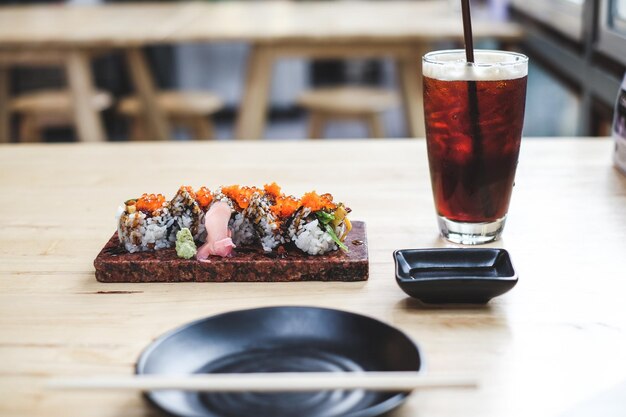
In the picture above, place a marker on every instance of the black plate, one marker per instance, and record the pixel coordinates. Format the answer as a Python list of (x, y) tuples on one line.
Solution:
[(454, 275), (280, 339)]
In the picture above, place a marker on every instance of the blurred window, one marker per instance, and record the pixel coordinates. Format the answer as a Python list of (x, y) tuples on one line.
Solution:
[(564, 16), (612, 29), (618, 15)]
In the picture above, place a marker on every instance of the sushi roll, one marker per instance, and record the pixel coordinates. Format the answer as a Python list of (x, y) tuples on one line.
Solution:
[(267, 220), (238, 198), (259, 217), (186, 212), (319, 226), (144, 223), (204, 198)]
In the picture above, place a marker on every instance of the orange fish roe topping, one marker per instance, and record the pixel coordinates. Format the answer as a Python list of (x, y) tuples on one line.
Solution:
[(285, 206), (241, 195), (272, 189), (204, 197), (190, 190), (150, 202), (317, 202)]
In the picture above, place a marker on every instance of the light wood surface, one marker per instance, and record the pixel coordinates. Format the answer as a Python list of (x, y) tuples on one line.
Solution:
[(5, 119), (155, 119), (79, 77), (177, 103), (400, 30), (365, 104), (55, 101), (349, 100), (47, 108), (267, 382), (557, 338), (136, 24), (410, 86), (76, 62), (191, 109), (250, 122)]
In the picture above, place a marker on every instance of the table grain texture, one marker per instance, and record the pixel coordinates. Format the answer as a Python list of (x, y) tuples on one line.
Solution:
[(556, 339)]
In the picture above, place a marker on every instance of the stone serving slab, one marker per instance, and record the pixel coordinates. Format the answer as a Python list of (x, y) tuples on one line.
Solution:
[(114, 264)]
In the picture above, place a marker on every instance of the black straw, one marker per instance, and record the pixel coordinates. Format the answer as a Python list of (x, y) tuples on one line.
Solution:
[(467, 31), (477, 174)]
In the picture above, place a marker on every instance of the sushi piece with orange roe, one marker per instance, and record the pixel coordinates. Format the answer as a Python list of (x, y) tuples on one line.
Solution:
[(282, 206), (285, 206), (319, 225), (238, 195), (204, 197), (272, 190), (143, 223), (148, 203), (238, 198), (268, 210), (186, 213), (316, 202)]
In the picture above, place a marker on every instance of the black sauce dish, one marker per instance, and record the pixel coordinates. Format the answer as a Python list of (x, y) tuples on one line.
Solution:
[(454, 275), (280, 339)]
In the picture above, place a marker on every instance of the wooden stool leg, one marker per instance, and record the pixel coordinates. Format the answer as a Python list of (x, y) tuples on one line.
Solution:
[(87, 119), (317, 123), (137, 128), (144, 86), (410, 80), (29, 130), (375, 125), (5, 116), (202, 128), (252, 113)]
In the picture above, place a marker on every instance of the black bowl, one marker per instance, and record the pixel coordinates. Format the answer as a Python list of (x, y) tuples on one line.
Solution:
[(280, 339), (471, 276)]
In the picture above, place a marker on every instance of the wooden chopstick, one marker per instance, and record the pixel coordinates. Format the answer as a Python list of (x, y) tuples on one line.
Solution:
[(267, 382)]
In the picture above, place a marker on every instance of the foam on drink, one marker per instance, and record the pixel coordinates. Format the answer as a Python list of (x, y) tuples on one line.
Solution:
[(489, 66)]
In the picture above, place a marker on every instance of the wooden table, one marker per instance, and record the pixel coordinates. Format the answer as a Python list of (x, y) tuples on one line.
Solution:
[(401, 30), (557, 338)]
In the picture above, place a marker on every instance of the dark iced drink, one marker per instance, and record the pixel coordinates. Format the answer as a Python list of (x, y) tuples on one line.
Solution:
[(474, 116)]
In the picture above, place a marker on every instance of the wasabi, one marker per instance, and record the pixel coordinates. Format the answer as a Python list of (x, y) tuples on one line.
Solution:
[(185, 246)]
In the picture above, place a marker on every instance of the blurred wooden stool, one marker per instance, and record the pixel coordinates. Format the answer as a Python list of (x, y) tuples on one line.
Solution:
[(352, 103), (189, 109), (49, 108)]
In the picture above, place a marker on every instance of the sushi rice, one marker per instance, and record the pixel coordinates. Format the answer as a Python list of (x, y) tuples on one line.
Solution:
[(264, 221), (139, 231), (259, 217), (186, 213), (242, 229)]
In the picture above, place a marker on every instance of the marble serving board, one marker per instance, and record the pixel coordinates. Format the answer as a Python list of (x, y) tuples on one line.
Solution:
[(114, 264)]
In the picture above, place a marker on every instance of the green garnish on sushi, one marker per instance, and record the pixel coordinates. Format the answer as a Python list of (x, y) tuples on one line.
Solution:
[(185, 246), (324, 217), (333, 236)]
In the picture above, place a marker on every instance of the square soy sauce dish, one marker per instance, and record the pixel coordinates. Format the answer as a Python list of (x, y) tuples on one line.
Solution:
[(454, 275)]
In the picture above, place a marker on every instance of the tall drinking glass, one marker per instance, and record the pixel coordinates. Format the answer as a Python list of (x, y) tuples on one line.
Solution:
[(474, 116)]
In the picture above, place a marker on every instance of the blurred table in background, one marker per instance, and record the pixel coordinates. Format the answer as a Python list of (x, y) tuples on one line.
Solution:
[(400, 30)]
